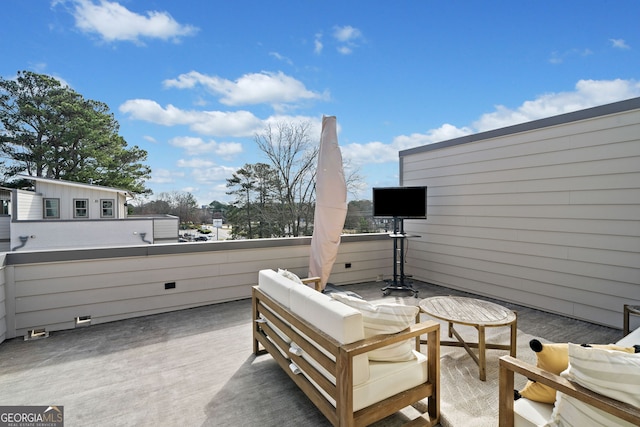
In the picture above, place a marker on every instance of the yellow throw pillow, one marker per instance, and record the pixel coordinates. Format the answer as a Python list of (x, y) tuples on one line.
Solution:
[(554, 358)]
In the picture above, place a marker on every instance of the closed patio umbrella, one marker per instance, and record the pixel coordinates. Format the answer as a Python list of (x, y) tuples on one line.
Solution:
[(331, 203)]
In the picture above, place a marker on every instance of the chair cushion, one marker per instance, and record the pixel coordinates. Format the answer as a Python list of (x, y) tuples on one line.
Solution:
[(611, 373), (384, 319), (554, 358)]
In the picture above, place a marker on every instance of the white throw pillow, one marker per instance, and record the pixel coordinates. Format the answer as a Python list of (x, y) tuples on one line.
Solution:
[(384, 319), (612, 373), (290, 275)]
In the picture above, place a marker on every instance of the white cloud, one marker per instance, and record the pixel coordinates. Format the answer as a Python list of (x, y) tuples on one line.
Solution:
[(149, 138), (317, 44), (280, 57), (346, 34), (163, 176), (212, 175), (348, 37), (114, 22), (215, 123), (197, 146), (194, 163), (559, 57), (377, 152), (587, 93), (255, 88), (619, 44)]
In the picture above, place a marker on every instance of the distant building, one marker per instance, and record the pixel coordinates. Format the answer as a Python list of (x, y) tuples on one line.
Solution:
[(64, 214)]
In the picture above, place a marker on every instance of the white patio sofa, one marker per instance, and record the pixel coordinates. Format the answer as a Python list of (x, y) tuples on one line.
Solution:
[(320, 343)]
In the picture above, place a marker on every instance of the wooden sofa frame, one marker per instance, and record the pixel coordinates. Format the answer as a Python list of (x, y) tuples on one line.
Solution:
[(265, 339), (510, 365)]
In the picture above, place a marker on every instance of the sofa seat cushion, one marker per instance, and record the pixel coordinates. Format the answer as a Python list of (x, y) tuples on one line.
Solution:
[(387, 379), (528, 413)]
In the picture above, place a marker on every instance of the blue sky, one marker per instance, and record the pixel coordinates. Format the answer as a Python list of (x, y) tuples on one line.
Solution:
[(192, 82)]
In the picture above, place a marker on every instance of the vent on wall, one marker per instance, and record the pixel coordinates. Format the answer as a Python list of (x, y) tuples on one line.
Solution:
[(83, 321), (36, 334)]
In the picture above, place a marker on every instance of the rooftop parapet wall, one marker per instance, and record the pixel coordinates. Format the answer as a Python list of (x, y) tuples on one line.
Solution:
[(51, 289)]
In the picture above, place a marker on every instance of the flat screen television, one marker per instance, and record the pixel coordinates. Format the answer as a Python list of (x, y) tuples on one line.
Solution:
[(400, 202)]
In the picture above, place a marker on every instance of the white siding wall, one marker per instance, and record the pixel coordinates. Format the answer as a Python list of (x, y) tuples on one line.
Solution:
[(80, 234), (67, 194), (549, 218), (50, 289)]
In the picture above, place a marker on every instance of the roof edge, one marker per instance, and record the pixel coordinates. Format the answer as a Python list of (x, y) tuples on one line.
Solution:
[(76, 184)]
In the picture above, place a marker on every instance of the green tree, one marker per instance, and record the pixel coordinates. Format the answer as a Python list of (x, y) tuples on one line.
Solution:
[(49, 130), (253, 212), (359, 216)]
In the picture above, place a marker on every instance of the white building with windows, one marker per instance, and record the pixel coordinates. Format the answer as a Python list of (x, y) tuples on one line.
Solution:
[(63, 214)]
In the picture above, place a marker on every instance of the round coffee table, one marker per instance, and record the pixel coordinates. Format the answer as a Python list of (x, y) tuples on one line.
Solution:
[(477, 313)]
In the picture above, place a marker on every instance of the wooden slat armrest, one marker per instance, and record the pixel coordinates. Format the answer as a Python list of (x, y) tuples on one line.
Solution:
[(315, 280), (383, 340), (619, 409)]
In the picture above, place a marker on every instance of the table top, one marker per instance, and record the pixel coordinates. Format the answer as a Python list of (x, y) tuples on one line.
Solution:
[(467, 311)]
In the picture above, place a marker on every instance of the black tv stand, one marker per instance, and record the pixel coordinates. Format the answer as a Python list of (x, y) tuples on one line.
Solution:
[(399, 281)]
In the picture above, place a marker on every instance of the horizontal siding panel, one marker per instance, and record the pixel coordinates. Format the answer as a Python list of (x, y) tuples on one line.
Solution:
[(537, 280), (594, 168), (140, 292), (587, 183), (616, 258), (605, 212), (125, 308), (584, 197), (568, 225), (539, 260)]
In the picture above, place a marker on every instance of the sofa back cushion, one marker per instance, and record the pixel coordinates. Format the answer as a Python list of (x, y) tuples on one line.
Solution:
[(276, 286), (339, 321)]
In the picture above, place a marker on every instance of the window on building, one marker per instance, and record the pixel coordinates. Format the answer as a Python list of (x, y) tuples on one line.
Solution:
[(5, 207), (52, 208), (81, 208), (107, 208)]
